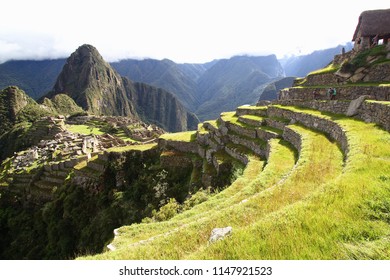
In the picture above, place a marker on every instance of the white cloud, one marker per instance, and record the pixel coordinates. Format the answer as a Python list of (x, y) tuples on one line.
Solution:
[(184, 31)]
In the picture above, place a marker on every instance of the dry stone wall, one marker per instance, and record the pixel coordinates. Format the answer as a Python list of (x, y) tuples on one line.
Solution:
[(369, 111), (343, 93), (327, 126), (321, 79)]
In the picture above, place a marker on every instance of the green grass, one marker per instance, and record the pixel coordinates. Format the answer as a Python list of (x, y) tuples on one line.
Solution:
[(213, 123), (251, 107), (122, 135), (361, 84), (142, 148), (387, 103), (187, 136), (281, 162), (253, 117), (84, 129), (324, 206), (331, 68)]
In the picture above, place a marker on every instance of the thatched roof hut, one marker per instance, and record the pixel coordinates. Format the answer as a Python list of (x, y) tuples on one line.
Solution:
[(373, 26)]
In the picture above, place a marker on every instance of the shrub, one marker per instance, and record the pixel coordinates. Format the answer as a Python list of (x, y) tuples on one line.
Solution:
[(197, 198), (166, 212)]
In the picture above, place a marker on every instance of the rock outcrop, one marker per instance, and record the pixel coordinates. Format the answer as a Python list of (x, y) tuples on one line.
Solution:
[(93, 84), (16, 106)]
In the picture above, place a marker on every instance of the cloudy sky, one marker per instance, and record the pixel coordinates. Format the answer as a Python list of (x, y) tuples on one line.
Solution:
[(180, 30)]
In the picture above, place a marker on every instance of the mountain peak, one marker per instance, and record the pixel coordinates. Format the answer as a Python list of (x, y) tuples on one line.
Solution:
[(97, 88), (93, 84), (85, 52)]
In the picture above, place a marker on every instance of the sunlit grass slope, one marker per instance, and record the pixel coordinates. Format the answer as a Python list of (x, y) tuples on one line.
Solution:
[(325, 205)]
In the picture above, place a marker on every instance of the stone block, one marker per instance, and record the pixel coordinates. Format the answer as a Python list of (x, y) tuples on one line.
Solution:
[(220, 233), (354, 105)]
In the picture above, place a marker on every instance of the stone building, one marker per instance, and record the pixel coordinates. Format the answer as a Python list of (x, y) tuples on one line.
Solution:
[(373, 28)]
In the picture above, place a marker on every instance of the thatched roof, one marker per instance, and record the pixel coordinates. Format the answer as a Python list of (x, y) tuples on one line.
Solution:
[(371, 23)]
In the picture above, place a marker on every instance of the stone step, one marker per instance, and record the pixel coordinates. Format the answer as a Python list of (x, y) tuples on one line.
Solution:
[(314, 120), (256, 146), (220, 159), (266, 133), (97, 165), (275, 122), (45, 185), (251, 120), (18, 179), (58, 173), (343, 93), (87, 172), (211, 125), (242, 129), (53, 179), (238, 152), (252, 110)]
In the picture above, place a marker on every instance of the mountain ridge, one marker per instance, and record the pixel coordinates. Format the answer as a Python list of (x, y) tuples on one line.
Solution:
[(99, 89), (199, 87)]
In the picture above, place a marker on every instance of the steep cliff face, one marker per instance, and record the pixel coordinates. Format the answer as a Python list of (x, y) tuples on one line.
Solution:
[(162, 108), (93, 84), (179, 79), (100, 90)]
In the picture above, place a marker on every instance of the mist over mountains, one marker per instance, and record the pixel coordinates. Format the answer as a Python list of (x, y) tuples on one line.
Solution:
[(300, 66), (204, 89)]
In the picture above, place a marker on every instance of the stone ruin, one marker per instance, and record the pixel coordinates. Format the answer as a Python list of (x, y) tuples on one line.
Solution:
[(65, 145), (139, 131)]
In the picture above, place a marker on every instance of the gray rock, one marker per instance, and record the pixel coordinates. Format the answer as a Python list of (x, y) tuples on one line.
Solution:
[(354, 105), (264, 103), (357, 77), (220, 233)]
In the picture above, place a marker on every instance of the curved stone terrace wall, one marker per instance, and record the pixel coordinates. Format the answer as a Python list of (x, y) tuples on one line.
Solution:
[(314, 122), (343, 93), (368, 111)]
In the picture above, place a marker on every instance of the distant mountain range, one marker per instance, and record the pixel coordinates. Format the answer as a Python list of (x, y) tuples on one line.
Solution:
[(205, 89), (300, 66), (36, 78)]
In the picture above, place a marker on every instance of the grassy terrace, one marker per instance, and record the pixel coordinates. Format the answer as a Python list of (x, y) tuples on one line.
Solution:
[(320, 207), (231, 117), (253, 117), (251, 107), (281, 161), (203, 130), (84, 129), (187, 136), (387, 103), (367, 84), (142, 148), (331, 68), (96, 130)]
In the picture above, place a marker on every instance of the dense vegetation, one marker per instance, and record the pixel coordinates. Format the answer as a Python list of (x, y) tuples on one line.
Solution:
[(80, 220)]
